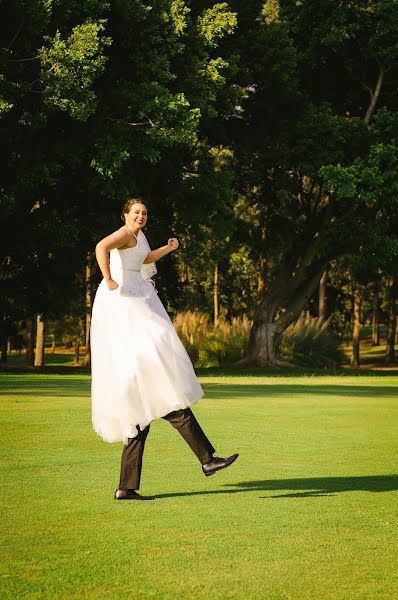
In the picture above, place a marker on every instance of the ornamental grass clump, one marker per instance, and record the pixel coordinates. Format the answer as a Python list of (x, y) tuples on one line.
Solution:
[(309, 342), (192, 328), (210, 346)]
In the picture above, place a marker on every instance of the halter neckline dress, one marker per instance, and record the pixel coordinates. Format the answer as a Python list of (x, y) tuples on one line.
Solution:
[(140, 369)]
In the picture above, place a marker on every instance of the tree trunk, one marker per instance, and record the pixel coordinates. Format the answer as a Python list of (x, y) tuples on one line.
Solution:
[(322, 297), (261, 279), (30, 342), (375, 320), (261, 268), (89, 306), (215, 295), (392, 319), (292, 295), (355, 357), (40, 331), (76, 347), (3, 357), (262, 344), (3, 340), (263, 337)]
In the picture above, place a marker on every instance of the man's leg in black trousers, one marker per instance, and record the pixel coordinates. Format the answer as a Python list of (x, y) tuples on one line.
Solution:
[(131, 463), (186, 424)]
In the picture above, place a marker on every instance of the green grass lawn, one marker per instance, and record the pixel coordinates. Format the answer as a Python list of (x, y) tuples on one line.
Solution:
[(308, 510), (62, 357)]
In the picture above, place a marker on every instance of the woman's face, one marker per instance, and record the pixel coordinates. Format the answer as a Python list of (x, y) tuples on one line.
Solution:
[(137, 216)]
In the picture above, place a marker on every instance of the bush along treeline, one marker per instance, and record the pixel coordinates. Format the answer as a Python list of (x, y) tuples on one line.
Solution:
[(263, 134)]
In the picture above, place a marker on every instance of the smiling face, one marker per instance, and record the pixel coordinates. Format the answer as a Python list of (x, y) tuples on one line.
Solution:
[(137, 216)]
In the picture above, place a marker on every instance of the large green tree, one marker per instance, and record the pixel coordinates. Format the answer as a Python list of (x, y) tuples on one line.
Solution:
[(314, 168), (99, 101)]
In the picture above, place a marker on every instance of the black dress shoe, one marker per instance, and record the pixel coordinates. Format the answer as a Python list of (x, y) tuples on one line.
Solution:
[(131, 495), (218, 463)]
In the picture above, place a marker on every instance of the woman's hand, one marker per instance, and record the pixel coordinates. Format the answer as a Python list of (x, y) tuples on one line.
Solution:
[(112, 285), (154, 255), (173, 243)]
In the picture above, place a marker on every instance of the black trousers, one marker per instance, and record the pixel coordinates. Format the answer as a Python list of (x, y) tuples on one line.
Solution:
[(186, 424)]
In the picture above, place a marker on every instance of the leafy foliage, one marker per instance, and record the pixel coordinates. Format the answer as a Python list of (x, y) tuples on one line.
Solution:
[(69, 68), (263, 134), (98, 102)]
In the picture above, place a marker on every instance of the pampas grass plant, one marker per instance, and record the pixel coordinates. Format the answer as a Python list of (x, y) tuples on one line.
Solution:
[(210, 346), (310, 342), (307, 342)]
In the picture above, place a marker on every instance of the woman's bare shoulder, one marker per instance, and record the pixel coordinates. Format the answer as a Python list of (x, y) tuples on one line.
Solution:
[(117, 239)]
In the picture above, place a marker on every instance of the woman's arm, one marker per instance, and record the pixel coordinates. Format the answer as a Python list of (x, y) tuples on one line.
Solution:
[(118, 239), (154, 255)]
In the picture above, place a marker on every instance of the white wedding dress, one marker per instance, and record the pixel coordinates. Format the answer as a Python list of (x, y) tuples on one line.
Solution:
[(140, 369)]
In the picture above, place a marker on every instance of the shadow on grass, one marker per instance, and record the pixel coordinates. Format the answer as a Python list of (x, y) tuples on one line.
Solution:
[(28, 386), (302, 488), (286, 372), (62, 364), (25, 385), (222, 390), (51, 360)]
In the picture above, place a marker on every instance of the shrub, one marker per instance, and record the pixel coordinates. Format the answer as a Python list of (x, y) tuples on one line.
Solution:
[(210, 346), (192, 327), (309, 342)]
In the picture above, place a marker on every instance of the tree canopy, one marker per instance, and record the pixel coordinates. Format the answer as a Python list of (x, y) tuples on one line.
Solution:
[(263, 134)]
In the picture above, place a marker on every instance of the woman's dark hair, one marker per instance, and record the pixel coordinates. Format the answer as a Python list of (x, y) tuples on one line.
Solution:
[(128, 204)]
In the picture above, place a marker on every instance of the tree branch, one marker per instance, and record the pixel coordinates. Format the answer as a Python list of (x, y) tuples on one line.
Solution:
[(301, 297), (15, 36), (369, 89), (17, 60), (375, 94), (130, 123)]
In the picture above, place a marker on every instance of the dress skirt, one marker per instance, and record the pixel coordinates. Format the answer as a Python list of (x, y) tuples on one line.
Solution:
[(140, 369)]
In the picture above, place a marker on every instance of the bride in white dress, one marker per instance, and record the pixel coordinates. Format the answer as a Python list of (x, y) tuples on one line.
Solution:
[(140, 369)]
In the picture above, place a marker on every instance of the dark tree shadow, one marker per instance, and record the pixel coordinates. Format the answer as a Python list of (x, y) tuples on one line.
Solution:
[(237, 390), (304, 488), (29, 386)]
